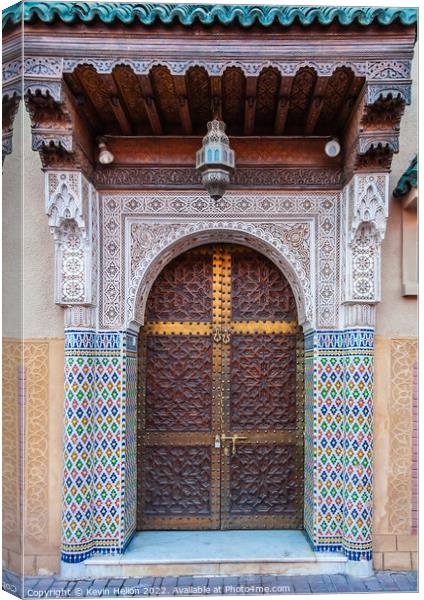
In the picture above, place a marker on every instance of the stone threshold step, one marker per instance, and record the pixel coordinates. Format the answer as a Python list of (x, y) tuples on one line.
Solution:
[(97, 567)]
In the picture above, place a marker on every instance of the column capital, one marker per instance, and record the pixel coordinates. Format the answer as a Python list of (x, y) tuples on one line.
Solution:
[(80, 317), (359, 315)]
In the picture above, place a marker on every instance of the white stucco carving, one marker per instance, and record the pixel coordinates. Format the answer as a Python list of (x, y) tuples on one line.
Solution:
[(140, 232), (73, 219), (364, 220)]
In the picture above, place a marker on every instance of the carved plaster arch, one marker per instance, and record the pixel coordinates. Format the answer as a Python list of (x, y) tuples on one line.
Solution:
[(179, 238)]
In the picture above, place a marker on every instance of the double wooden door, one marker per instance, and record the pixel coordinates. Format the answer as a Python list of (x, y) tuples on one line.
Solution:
[(220, 438)]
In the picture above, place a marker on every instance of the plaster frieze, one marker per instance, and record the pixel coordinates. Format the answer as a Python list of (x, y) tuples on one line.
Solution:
[(43, 73), (383, 90), (216, 67), (186, 177)]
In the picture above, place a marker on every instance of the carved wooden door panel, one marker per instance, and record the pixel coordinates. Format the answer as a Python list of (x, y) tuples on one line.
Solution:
[(220, 418), (262, 397), (179, 466)]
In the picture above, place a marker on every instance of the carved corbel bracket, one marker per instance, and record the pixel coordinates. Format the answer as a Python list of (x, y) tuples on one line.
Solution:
[(9, 109), (12, 94), (52, 124), (389, 90), (40, 81), (69, 208), (364, 221), (372, 135)]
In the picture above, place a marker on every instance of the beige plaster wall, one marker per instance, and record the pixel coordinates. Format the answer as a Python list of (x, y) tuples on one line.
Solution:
[(24, 179), (395, 537), (12, 235), (32, 368), (397, 314)]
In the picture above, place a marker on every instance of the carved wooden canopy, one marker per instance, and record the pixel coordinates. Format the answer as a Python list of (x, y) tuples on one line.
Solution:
[(163, 103), (150, 86)]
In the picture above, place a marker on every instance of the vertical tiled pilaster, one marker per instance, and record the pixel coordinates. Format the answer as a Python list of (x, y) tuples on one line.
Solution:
[(100, 443), (358, 440), (329, 439), (129, 432), (108, 442), (324, 439), (338, 441), (77, 510), (310, 436)]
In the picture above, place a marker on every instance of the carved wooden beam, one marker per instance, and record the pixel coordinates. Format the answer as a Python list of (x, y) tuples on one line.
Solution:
[(315, 107), (216, 97), (116, 102), (183, 107), (250, 105), (348, 102), (149, 104), (84, 103), (283, 105)]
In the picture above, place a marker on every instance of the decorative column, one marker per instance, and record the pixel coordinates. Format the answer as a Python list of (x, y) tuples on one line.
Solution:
[(364, 216), (78, 442), (71, 207), (100, 456), (324, 369)]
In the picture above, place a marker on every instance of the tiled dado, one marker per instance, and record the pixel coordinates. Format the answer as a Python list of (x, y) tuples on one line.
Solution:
[(32, 418), (100, 446), (100, 442), (338, 440)]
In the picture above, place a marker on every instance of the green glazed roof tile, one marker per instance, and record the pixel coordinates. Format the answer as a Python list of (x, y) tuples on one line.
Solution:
[(187, 14), (408, 179)]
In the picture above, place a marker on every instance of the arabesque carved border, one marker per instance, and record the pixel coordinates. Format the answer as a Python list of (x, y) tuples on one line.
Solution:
[(403, 356)]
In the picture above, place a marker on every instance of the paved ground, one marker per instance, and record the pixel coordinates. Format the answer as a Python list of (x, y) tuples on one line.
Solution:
[(54, 587)]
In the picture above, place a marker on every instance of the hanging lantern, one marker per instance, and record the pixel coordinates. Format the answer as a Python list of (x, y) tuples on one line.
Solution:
[(215, 159)]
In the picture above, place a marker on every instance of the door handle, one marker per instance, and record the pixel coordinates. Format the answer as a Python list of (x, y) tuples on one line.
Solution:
[(233, 439), (225, 336), (216, 334), (221, 334)]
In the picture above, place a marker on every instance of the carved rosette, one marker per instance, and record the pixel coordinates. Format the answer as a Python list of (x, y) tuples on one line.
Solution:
[(364, 217), (71, 207)]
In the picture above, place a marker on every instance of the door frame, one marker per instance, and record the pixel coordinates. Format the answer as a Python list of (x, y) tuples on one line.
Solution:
[(220, 463)]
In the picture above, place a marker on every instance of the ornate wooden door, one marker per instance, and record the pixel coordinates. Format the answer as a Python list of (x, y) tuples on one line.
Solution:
[(221, 396)]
